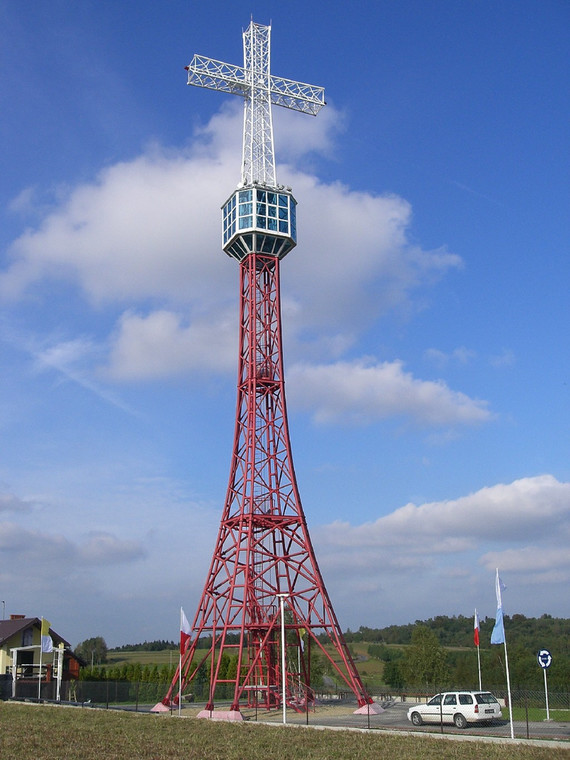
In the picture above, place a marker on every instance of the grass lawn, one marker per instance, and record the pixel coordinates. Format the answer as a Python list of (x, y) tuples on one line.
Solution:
[(45, 732), (537, 714)]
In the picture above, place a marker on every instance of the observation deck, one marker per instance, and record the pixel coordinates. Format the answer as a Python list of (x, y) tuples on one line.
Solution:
[(259, 219)]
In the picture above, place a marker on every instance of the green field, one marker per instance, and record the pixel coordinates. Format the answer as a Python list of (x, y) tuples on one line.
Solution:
[(368, 667), (163, 657), (45, 732)]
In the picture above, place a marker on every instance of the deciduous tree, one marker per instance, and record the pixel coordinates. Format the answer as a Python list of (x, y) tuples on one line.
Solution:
[(425, 661)]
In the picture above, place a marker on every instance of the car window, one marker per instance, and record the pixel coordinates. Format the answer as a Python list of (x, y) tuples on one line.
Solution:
[(486, 698), (465, 699), (450, 699), (435, 700)]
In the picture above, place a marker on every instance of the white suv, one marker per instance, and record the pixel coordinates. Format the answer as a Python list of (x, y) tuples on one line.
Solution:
[(459, 707)]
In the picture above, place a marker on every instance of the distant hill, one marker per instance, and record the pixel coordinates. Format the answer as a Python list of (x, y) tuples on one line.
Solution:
[(457, 631), (159, 645)]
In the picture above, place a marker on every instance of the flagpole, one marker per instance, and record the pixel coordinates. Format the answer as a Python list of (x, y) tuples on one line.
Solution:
[(500, 605), (498, 636), (41, 650), (476, 628), (509, 691), (180, 669), (479, 666)]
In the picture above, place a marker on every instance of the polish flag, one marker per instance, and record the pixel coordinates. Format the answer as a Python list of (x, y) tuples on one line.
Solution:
[(185, 631), (476, 629)]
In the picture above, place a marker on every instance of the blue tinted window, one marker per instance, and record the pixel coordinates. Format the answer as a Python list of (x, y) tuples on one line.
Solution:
[(244, 221), (267, 245)]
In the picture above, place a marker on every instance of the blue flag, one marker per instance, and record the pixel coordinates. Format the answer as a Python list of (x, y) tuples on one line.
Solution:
[(498, 634)]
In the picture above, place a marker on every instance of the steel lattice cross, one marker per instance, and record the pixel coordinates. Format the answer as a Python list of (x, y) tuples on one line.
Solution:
[(260, 90)]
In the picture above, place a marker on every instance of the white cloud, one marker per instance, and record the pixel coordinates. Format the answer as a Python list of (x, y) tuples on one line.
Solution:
[(505, 359), (460, 355), (146, 233), (102, 548), (149, 230), (70, 359), (526, 508), (437, 554), (362, 392), (32, 550), (159, 345), (144, 229), (529, 560)]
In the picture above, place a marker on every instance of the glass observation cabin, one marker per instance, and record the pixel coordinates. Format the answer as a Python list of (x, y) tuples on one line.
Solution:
[(259, 219)]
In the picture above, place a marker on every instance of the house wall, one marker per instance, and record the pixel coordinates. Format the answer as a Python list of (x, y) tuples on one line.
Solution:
[(18, 640)]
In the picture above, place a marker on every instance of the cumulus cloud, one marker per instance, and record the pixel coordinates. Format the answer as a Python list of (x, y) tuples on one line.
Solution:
[(143, 229), (146, 232), (160, 345), (530, 560), (150, 228), (446, 545), (31, 550), (362, 392), (529, 507)]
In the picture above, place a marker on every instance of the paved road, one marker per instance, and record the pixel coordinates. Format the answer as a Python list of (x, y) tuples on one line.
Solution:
[(395, 718)]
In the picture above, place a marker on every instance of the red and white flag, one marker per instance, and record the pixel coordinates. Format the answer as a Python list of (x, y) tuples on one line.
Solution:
[(476, 629), (185, 631)]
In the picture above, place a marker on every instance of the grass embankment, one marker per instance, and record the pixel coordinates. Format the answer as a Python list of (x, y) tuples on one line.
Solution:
[(44, 732)]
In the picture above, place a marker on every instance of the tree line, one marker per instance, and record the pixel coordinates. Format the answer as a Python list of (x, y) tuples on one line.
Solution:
[(158, 645), (429, 655), (426, 665), (457, 631)]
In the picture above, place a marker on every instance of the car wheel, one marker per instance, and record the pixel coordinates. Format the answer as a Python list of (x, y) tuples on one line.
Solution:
[(459, 720), (417, 719)]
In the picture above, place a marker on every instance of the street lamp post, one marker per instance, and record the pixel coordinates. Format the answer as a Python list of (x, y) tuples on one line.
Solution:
[(282, 598)]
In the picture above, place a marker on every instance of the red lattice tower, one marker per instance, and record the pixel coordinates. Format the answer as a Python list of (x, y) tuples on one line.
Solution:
[(264, 601)]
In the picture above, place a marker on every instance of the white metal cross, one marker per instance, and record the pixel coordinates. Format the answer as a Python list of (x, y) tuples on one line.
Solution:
[(259, 90)]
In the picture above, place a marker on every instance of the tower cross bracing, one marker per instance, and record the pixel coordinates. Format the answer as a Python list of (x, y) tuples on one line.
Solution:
[(263, 560)]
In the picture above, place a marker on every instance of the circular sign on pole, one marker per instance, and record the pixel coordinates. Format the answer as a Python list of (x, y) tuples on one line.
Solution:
[(544, 658)]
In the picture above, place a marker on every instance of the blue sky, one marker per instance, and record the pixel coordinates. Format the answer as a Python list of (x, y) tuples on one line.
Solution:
[(425, 306)]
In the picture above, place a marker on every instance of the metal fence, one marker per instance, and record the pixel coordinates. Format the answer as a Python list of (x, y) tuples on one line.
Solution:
[(136, 693)]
